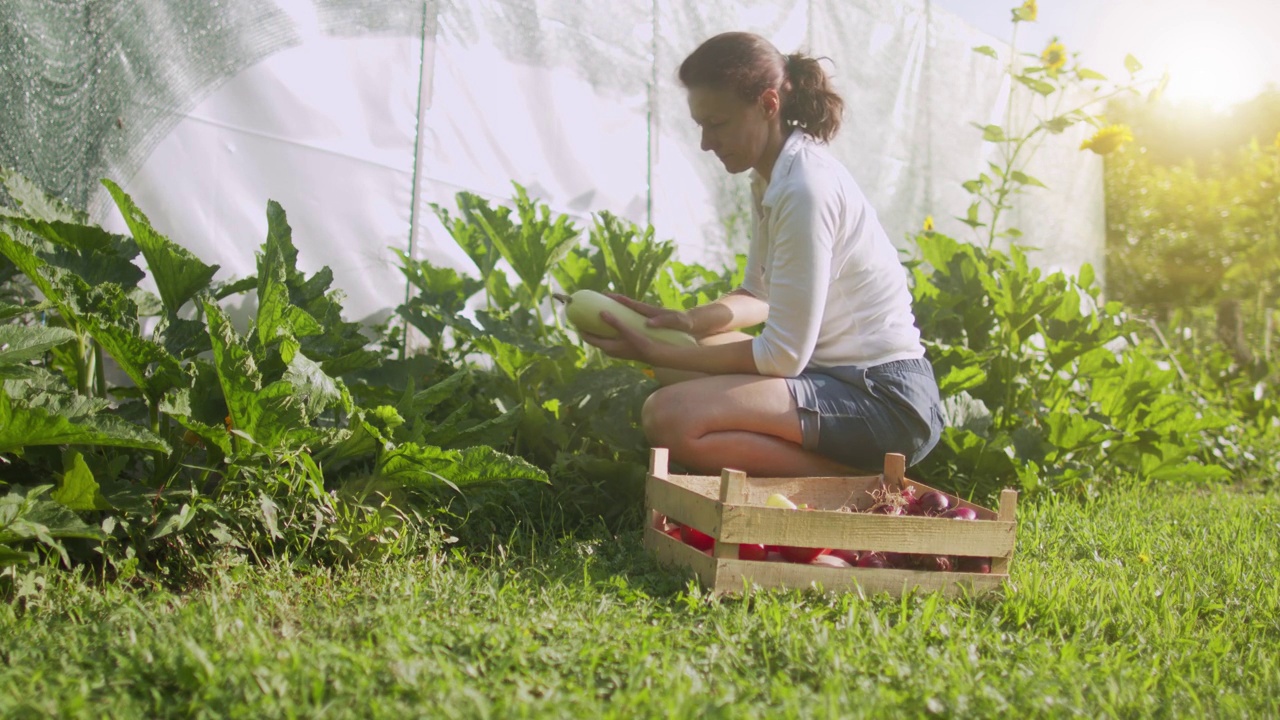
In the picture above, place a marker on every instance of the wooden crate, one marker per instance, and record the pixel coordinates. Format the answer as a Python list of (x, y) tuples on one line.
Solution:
[(731, 509)]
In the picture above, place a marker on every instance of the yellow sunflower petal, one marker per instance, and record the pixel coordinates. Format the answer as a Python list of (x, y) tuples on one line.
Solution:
[(1054, 56), (1108, 139)]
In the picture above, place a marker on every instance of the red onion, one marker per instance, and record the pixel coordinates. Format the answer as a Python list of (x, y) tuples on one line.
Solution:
[(800, 555), (933, 503), (939, 563), (872, 560), (696, 538), (849, 556)]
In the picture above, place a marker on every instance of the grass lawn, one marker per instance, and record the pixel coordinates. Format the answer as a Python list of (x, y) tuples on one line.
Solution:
[(1136, 605)]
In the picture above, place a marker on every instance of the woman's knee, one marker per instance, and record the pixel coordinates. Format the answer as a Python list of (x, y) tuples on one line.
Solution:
[(660, 417)]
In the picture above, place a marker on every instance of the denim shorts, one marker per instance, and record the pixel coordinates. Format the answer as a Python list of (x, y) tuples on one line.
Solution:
[(854, 415)]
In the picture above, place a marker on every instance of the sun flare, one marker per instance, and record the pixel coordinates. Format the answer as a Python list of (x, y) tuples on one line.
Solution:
[(1207, 63), (1210, 51)]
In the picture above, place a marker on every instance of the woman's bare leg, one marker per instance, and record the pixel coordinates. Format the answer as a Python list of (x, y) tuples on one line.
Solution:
[(746, 422)]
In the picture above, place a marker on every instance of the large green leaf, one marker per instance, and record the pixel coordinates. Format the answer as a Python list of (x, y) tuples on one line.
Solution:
[(19, 344), (201, 408), (277, 315), (481, 463), (178, 274), (631, 256), (78, 489), (77, 236), (178, 405), (418, 404), (310, 311), (22, 426), (1071, 430), (237, 370), (958, 379), (461, 429), (183, 339), (277, 416), (579, 270), (535, 245), (523, 340), (315, 389), (495, 432), (8, 312), (112, 320), (466, 230), (272, 415), (34, 202), (24, 257), (369, 431), (27, 516), (426, 466), (86, 251), (9, 556), (442, 289), (51, 391), (350, 362)]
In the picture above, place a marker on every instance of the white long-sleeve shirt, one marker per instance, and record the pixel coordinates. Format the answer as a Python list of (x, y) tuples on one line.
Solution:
[(837, 292)]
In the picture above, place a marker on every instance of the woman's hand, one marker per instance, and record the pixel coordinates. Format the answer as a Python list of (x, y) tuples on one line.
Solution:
[(629, 345), (659, 317)]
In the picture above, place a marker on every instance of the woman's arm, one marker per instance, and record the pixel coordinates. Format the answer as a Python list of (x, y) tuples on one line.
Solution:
[(733, 311), (736, 310), (730, 358)]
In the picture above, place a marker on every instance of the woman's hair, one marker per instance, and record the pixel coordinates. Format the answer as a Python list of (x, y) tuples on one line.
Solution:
[(749, 64)]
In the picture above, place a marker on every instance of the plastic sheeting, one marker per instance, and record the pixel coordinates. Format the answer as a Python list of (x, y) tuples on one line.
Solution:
[(357, 115)]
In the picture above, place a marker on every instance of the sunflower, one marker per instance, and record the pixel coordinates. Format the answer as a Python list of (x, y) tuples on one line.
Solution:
[(928, 223), (1027, 12), (1054, 56), (1108, 139)]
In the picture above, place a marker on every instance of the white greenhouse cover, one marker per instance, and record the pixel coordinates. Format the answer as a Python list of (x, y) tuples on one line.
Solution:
[(356, 116)]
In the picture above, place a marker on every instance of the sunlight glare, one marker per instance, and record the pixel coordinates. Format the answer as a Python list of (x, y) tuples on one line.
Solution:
[(1208, 50), (1207, 63)]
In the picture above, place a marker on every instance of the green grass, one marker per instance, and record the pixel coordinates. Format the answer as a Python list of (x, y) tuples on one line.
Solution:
[(1136, 605)]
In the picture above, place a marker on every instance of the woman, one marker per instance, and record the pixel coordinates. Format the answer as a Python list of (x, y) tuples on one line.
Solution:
[(837, 378)]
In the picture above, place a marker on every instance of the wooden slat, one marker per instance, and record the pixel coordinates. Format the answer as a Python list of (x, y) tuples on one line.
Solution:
[(656, 519), (1008, 513), (702, 484), (673, 553), (658, 461), (732, 576), (895, 469), (682, 505), (733, 486), (828, 493), (858, 531)]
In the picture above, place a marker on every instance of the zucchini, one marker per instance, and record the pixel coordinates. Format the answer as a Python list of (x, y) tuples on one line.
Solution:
[(583, 309)]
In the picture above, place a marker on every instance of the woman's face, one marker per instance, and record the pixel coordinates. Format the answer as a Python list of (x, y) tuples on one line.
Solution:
[(735, 130)]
